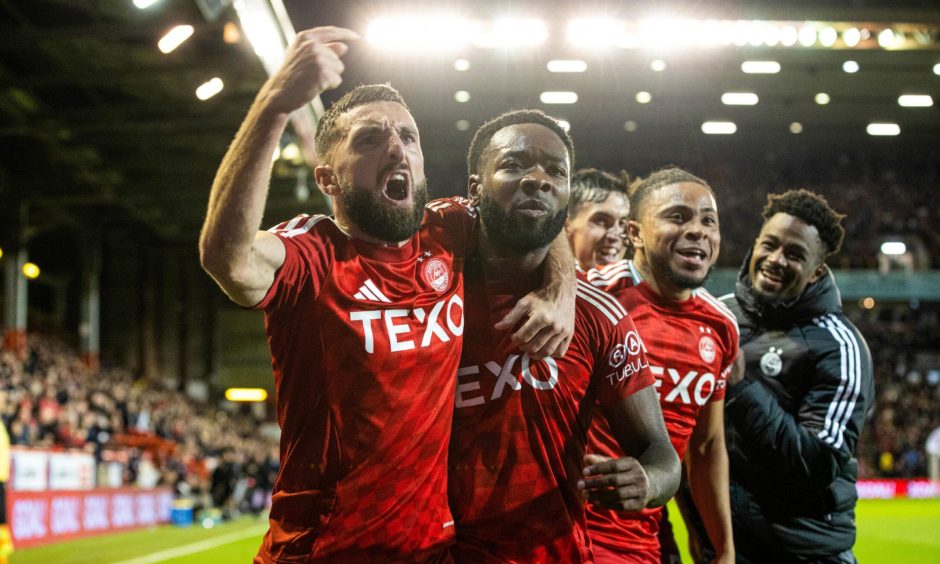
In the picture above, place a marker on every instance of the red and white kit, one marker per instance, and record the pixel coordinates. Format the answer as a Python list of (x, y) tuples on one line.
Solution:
[(365, 341), (691, 346), (520, 427)]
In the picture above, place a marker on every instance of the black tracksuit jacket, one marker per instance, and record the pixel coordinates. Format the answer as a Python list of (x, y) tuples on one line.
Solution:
[(792, 425)]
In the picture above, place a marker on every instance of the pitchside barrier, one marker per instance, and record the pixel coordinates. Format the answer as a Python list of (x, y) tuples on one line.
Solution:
[(54, 496), (890, 489)]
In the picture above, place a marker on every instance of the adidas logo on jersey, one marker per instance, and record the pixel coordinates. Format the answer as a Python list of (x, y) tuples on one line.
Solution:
[(370, 292)]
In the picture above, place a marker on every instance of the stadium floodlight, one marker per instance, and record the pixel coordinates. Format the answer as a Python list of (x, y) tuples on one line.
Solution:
[(868, 303), (807, 36), (174, 38), (596, 33), (822, 98), (209, 88), (246, 394), (462, 96), (558, 97), (936, 69), (796, 128), (741, 33), (887, 38), (644, 97), (566, 65), (657, 65), (851, 37), (462, 125), (760, 67), (739, 99), (883, 129), (461, 65), (30, 270), (511, 33), (418, 34), (144, 4), (893, 248), (828, 37), (772, 35), (291, 152), (789, 35), (850, 67), (915, 100), (719, 127)]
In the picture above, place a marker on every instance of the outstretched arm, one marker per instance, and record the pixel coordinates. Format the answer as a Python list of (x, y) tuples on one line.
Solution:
[(548, 311), (649, 473), (707, 468), (242, 259)]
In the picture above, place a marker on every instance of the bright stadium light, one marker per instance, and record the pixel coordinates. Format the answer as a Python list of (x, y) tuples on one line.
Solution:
[(511, 33), (433, 33), (629, 126), (868, 303), (883, 129), (851, 37), (893, 248), (263, 32), (644, 97), (30, 270), (796, 128), (789, 35), (144, 4), (760, 67), (566, 65), (739, 99), (461, 65), (558, 97), (174, 38), (936, 69), (771, 35), (915, 100), (822, 98), (462, 96), (719, 127), (462, 125), (828, 37), (657, 65), (564, 124), (850, 67), (596, 33), (807, 36), (209, 88), (246, 394), (887, 38)]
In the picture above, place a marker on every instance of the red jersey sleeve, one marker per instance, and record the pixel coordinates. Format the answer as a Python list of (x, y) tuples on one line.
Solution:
[(308, 256), (456, 220), (620, 365)]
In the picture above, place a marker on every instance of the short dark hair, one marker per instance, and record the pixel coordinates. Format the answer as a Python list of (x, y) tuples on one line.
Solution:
[(486, 131), (328, 133), (813, 209), (590, 185), (662, 177)]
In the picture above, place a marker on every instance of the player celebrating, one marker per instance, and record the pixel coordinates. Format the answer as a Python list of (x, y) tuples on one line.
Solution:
[(597, 218), (520, 425), (364, 315), (691, 341)]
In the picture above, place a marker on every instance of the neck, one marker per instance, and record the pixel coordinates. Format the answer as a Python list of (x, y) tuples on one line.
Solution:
[(353, 230), (501, 264), (660, 282)]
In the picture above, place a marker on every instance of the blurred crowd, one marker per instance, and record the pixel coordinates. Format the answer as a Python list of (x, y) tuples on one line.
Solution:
[(159, 437), (903, 341)]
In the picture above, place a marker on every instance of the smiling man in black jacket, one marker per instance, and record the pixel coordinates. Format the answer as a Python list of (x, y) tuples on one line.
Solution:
[(793, 419)]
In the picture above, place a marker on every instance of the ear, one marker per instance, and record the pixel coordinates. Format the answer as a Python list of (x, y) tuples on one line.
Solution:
[(474, 189), (634, 234), (820, 271), (326, 180)]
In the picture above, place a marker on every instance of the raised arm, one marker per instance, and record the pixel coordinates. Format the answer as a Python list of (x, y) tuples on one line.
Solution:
[(239, 257), (707, 469), (549, 311), (649, 473)]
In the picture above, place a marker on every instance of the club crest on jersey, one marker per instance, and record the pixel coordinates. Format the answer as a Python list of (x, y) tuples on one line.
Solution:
[(707, 349), (436, 275), (771, 364)]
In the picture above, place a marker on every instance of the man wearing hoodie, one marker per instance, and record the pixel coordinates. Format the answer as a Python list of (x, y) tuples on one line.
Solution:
[(794, 417)]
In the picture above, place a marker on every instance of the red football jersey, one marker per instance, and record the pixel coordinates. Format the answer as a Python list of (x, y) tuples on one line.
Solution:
[(691, 346), (365, 341), (520, 427)]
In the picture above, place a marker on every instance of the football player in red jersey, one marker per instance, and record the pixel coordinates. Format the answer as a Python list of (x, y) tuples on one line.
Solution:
[(691, 341), (517, 472), (364, 316), (597, 218)]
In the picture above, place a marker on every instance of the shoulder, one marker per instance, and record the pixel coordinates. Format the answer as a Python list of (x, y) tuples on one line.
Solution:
[(444, 208), (834, 331), (718, 310), (594, 306), (306, 226), (616, 275)]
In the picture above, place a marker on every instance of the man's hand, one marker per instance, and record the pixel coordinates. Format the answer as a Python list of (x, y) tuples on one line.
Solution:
[(615, 483), (311, 65), (548, 327)]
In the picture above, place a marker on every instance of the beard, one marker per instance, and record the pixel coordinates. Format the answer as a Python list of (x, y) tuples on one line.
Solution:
[(661, 263), (509, 233), (377, 219)]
